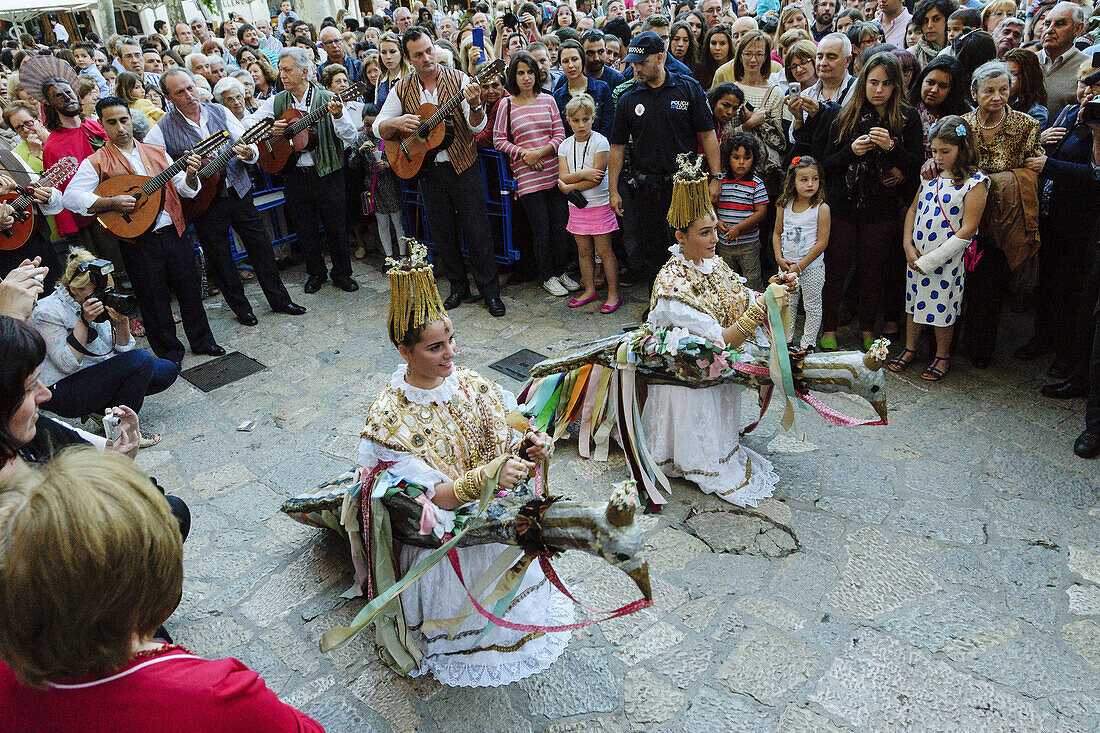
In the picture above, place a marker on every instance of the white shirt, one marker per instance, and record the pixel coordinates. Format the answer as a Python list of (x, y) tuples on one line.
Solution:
[(581, 155), (80, 195), (232, 124), (51, 207), (343, 125), (392, 108), (60, 33)]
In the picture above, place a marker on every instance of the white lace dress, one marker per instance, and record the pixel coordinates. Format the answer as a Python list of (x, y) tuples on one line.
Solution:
[(501, 656), (693, 433)]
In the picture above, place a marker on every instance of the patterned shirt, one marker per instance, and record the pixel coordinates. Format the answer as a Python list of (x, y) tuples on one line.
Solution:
[(1014, 141), (737, 202)]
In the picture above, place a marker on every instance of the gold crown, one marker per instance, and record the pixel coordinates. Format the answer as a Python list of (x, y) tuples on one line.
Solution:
[(414, 298), (690, 193)]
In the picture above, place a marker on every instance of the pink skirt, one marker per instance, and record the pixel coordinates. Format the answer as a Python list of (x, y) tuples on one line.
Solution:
[(591, 220)]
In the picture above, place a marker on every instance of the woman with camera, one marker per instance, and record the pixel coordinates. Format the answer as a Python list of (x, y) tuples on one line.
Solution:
[(91, 362)]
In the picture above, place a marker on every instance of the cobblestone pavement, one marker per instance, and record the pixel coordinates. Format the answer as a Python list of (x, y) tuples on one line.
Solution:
[(941, 573)]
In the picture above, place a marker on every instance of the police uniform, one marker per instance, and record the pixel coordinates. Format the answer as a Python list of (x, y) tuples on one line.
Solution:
[(660, 123)]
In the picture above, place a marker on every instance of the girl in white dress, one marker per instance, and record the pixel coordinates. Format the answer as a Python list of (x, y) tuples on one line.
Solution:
[(800, 237), (694, 433), (942, 221)]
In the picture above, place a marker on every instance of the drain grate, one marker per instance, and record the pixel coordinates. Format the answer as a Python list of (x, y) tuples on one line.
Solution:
[(518, 365), (221, 371)]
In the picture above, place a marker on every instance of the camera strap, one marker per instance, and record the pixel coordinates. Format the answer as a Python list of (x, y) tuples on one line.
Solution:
[(93, 334)]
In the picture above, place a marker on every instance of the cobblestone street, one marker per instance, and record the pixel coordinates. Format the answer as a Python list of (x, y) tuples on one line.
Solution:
[(940, 573)]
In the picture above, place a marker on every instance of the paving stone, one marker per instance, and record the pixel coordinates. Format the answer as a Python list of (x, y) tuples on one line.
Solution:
[(714, 711), (684, 664), (582, 681), (1034, 588), (648, 700), (1084, 638), (772, 612), (803, 579), (222, 479), (768, 667), (715, 572), (961, 626), (478, 710), (671, 549), (880, 576), (1084, 563), (939, 520), (213, 636), (880, 684), (338, 714), (1037, 666), (657, 640), (803, 720), (696, 614), (742, 534), (963, 566), (389, 695), (863, 509), (588, 725), (1084, 600)]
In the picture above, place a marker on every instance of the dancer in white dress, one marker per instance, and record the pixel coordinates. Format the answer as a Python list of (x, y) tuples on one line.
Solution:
[(693, 433)]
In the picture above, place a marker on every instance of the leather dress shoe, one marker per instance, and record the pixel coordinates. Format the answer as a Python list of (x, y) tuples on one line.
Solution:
[(346, 284), (455, 299), (314, 283), (980, 362), (1032, 350), (1065, 390), (214, 350), (495, 306), (1088, 444), (292, 309), (248, 319)]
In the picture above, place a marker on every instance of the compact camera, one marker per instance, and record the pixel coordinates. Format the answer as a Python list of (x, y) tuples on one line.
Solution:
[(97, 271)]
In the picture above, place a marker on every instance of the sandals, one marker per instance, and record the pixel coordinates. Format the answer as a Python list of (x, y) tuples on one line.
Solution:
[(933, 373), (148, 440), (899, 363)]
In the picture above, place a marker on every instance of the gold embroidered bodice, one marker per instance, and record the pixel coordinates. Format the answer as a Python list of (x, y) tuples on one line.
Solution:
[(453, 437), (720, 294)]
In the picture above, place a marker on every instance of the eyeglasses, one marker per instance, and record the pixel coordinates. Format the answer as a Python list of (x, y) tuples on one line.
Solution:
[(752, 54), (25, 126)]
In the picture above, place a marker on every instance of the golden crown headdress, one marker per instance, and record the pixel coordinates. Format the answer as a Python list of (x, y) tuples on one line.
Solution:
[(414, 298), (690, 192)]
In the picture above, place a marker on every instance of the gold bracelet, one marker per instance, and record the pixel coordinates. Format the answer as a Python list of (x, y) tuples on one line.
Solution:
[(468, 487), (753, 316)]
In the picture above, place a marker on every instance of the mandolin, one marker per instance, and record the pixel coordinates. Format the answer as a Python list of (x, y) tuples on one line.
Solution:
[(148, 192), (211, 172), (435, 132), (277, 150), (23, 203)]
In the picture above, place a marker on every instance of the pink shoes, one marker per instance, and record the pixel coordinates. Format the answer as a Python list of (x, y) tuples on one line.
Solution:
[(605, 308), (578, 302)]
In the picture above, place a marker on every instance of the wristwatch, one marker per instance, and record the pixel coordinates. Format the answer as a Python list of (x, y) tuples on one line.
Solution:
[(476, 109)]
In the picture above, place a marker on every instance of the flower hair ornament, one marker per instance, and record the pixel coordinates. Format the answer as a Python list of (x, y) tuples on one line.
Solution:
[(796, 160), (414, 298), (690, 193), (960, 130)]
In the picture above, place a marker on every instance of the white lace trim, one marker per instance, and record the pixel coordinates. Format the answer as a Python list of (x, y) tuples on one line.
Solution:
[(706, 266), (442, 394), (536, 656)]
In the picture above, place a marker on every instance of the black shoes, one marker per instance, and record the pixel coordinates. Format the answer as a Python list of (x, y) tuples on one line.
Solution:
[(455, 299), (214, 350), (1066, 390), (495, 306), (293, 309), (346, 284), (314, 283), (1088, 444), (980, 362), (248, 319), (1032, 350)]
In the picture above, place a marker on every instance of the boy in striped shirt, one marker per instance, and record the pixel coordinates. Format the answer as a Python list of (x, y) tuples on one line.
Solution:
[(741, 207)]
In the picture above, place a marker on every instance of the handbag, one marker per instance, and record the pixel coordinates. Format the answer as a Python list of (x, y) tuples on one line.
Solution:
[(972, 255), (577, 199)]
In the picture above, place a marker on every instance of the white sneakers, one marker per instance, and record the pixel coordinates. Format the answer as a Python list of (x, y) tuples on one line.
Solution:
[(554, 287), (570, 284)]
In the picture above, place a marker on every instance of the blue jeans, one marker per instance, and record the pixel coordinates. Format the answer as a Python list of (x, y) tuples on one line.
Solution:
[(125, 379)]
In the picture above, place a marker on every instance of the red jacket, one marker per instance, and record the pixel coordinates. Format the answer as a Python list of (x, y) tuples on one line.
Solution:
[(174, 692)]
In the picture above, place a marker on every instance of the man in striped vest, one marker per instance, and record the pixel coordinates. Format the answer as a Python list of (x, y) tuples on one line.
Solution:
[(451, 186), (181, 130), (315, 182)]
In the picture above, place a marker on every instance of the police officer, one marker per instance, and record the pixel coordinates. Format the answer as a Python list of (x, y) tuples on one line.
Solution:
[(662, 115)]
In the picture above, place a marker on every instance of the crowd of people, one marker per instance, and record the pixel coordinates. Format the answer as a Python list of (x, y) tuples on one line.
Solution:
[(910, 168)]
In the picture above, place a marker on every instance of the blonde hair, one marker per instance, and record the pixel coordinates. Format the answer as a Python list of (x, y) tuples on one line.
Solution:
[(77, 257), (582, 102), (90, 555), (1085, 69), (786, 15)]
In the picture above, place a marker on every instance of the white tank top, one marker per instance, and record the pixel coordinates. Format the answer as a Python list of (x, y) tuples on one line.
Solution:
[(800, 235)]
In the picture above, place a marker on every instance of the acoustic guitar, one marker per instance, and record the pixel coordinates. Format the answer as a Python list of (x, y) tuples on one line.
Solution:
[(300, 133), (148, 193), (17, 235), (435, 132), (210, 175)]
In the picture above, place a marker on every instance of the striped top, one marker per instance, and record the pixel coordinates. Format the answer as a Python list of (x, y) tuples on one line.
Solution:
[(737, 202), (532, 126)]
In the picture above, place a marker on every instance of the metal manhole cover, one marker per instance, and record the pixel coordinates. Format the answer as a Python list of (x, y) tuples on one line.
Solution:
[(518, 365), (221, 371)]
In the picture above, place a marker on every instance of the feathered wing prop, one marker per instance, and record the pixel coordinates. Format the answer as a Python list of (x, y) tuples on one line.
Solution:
[(593, 386)]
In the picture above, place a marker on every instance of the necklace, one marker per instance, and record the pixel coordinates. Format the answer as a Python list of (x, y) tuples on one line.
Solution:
[(994, 126)]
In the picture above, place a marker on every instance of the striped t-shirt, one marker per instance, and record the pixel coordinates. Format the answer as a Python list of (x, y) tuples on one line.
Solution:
[(530, 126), (738, 201)]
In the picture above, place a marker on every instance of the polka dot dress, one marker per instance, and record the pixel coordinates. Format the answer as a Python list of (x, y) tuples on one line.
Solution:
[(935, 298)]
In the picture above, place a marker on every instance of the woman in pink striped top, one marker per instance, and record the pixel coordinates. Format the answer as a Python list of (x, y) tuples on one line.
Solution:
[(528, 130)]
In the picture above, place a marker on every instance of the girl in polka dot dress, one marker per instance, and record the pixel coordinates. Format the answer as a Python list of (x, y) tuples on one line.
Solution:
[(940, 224)]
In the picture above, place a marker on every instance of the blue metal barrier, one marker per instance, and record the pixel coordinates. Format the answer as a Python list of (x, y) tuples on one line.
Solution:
[(500, 188)]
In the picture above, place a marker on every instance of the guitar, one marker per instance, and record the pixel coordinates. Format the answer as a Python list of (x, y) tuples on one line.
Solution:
[(23, 203), (148, 192), (407, 155), (211, 172), (299, 135)]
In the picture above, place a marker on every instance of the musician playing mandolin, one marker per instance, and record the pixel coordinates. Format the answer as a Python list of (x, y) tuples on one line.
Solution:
[(48, 201), (315, 184), (451, 186), (160, 259), (182, 129)]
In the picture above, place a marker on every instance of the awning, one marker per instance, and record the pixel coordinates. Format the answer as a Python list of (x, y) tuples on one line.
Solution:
[(20, 11)]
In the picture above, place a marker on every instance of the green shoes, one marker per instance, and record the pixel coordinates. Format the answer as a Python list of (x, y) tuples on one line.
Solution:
[(828, 343)]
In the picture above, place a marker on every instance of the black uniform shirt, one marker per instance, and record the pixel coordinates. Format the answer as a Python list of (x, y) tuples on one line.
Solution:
[(662, 122)]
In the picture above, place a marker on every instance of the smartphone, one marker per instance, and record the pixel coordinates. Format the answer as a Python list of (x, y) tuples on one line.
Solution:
[(747, 107), (112, 427), (479, 41)]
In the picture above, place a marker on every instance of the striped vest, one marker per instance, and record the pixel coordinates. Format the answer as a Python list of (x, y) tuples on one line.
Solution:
[(180, 136), (462, 152)]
